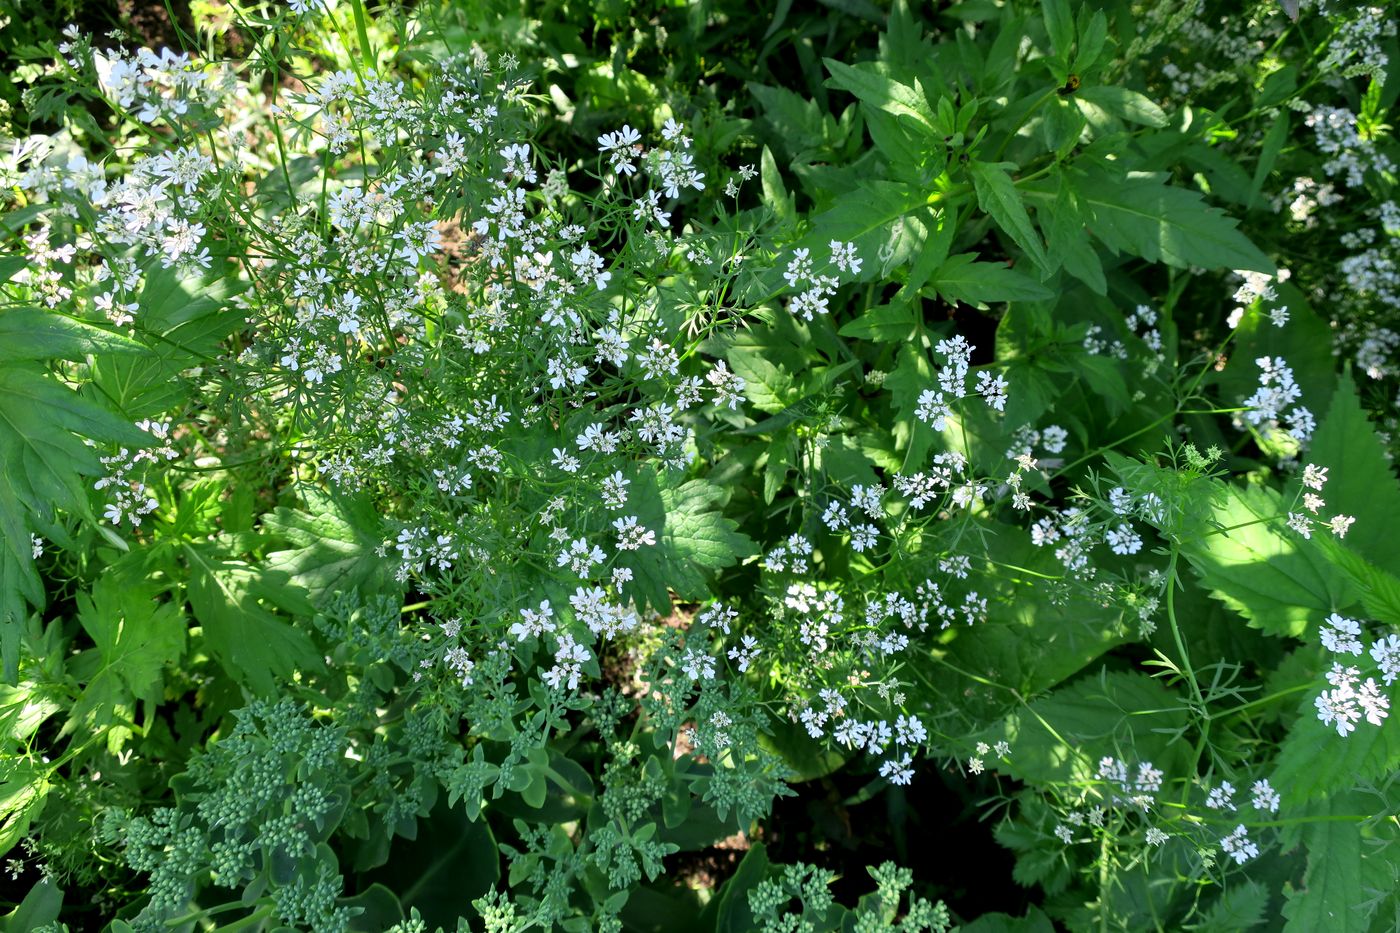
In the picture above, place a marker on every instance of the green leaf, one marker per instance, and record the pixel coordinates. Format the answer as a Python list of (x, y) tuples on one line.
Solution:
[(1059, 23), (1315, 762), (24, 787), (880, 92), (1239, 908), (1122, 103), (39, 909), (35, 334), (694, 539), (135, 638), (332, 540), (887, 221), (1062, 736), (43, 459), (769, 387), (997, 195), (1332, 894), (1360, 480), (964, 279), (1269, 575), (254, 646), (1139, 213), (1070, 243), (774, 194), (886, 323)]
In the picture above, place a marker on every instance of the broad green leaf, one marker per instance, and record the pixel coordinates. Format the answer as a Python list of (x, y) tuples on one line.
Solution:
[(255, 646), (768, 386), (964, 279), (910, 377), (1070, 243), (774, 194), (1059, 23), (43, 462), (39, 909), (1122, 103), (1314, 761), (886, 323), (1332, 894), (1062, 736), (1031, 642), (887, 221), (24, 787), (1360, 480), (1274, 141), (1238, 909), (997, 195), (36, 334), (135, 638), (1139, 213), (881, 92), (333, 540), (693, 540), (1266, 573)]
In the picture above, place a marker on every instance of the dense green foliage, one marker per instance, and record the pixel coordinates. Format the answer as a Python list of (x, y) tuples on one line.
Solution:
[(482, 464)]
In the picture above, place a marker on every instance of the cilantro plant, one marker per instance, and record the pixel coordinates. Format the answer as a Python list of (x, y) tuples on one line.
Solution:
[(493, 465)]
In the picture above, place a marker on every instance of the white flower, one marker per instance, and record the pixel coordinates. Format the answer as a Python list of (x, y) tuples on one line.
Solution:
[(1339, 635), (1264, 796), (1238, 846)]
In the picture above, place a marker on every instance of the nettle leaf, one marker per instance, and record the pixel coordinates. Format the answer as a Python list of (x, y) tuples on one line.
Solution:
[(255, 646), (1069, 241), (1314, 761), (135, 638), (43, 459), (910, 377), (1139, 213), (888, 221), (1332, 896), (1029, 642), (1062, 736), (1269, 575), (333, 542), (997, 195), (766, 384), (1241, 907), (1360, 481)]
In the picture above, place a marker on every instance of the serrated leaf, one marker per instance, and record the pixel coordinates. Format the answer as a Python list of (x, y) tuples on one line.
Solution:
[(997, 195), (43, 460), (1315, 762), (767, 386), (880, 91), (1360, 480), (333, 541), (963, 278), (1269, 575), (1239, 908), (24, 787), (135, 638), (1139, 213), (1063, 735), (694, 539), (1332, 893), (255, 646), (36, 334)]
